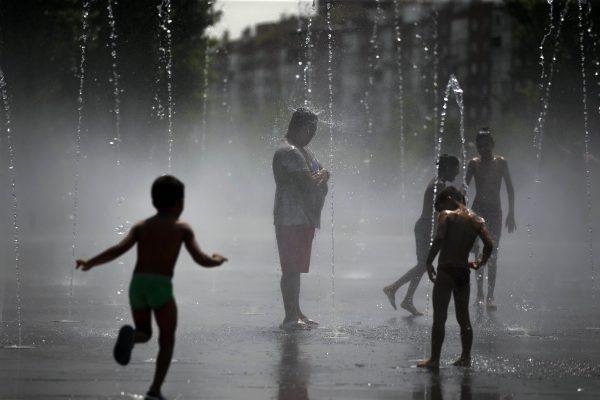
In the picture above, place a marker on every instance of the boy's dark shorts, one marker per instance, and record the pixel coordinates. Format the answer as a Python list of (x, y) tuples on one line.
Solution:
[(150, 291), (458, 274)]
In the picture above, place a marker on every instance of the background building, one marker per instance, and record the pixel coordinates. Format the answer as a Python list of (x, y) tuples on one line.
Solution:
[(278, 66)]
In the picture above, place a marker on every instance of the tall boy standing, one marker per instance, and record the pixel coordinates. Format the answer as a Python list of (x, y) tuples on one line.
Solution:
[(489, 170)]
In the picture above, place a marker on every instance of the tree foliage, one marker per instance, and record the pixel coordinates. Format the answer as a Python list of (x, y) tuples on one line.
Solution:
[(40, 54)]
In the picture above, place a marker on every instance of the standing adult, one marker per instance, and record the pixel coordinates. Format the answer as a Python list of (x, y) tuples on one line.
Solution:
[(301, 187)]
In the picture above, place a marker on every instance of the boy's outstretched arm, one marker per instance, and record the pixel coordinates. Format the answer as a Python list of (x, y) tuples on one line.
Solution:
[(510, 218), (198, 255), (111, 253)]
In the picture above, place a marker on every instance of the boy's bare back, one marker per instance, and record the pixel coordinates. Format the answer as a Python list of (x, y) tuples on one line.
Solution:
[(159, 241), (457, 232)]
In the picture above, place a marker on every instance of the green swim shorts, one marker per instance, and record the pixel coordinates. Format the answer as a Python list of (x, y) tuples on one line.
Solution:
[(150, 291)]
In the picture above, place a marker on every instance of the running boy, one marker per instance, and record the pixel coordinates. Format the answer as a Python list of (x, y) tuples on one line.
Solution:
[(458, 228), (447, 171), (159, 239), (489, 170)]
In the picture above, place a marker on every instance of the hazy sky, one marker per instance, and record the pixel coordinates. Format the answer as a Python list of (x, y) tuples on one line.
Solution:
[(238, 14)]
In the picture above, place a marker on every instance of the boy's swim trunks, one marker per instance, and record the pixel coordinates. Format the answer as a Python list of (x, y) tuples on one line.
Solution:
[(458, 274), (150, 291)]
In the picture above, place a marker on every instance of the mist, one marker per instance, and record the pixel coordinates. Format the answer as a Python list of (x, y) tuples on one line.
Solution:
[(222, 149)]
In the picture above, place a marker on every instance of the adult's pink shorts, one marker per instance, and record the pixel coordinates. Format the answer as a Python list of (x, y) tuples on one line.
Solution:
[(294, 243)]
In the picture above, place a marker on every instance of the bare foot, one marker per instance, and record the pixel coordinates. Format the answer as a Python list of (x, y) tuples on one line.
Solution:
[(391, 295), (124, 345), (298, 325), (154, 395), (310, 322), (410, 307), (429, 364), (462, 362)]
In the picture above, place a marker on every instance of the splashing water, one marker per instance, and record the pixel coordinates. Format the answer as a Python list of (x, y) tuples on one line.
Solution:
[(453, 87), (307, 69), (587, 143), (225, 93), (436, 68), (122, 226), (205, 70), (545, 86), (300, 70), (541, 58), (400, 98), (373, 61), (230, 177), (158, 109), (15, 205), (595, 48), (116, 141), (421, 28), (596, 62), (165, 61), (335, 333), (169, 69), (77, 157), (115, 77)]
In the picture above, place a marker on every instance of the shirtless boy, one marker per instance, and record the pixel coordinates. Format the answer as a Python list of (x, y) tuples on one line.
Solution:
[(458, 228), (447, 171), (489, 171), (159, 239)]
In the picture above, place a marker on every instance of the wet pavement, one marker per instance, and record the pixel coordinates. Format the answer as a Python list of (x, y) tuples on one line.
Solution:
[(542, 343)]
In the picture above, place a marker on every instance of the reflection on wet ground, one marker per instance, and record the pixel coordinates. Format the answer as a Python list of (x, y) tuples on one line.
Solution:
[(543, 342), (293, 370)]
